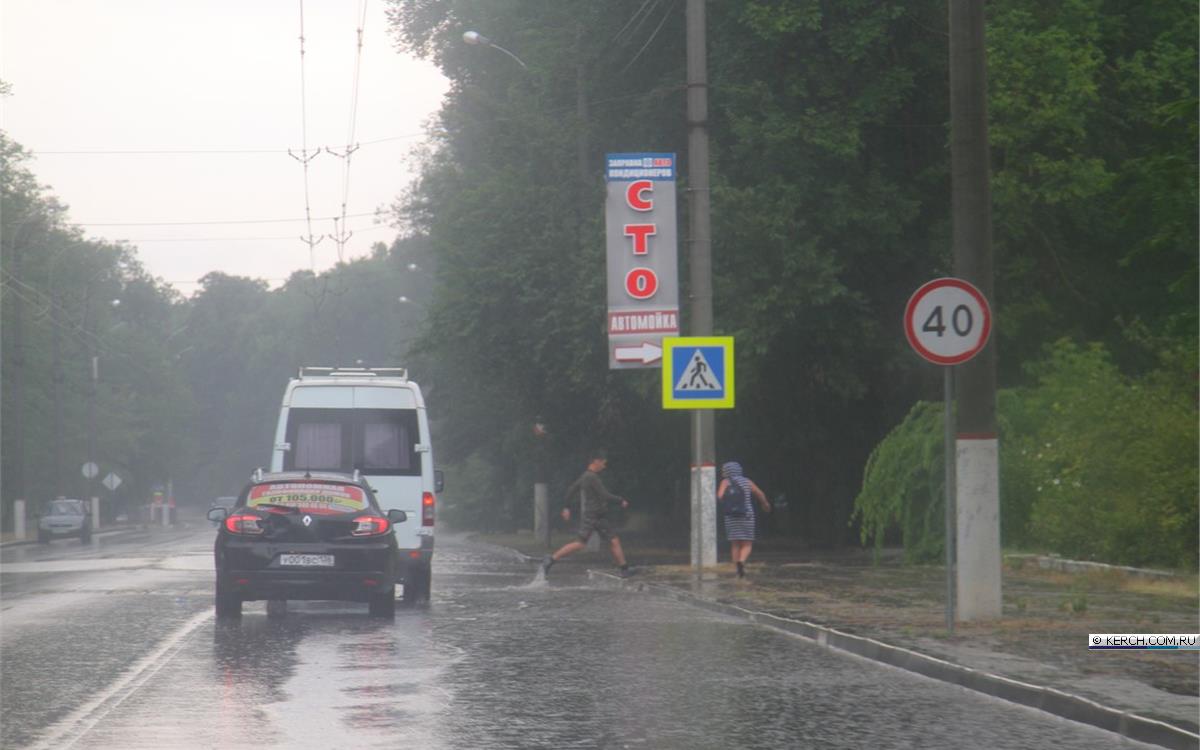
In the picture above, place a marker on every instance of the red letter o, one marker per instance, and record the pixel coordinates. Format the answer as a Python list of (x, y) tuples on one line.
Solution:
[(641, 283)]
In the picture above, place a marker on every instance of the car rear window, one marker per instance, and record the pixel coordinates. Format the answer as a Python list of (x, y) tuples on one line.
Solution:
[(314, 497)]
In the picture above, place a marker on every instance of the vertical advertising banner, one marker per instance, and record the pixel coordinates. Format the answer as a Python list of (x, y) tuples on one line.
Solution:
[(642, 258)]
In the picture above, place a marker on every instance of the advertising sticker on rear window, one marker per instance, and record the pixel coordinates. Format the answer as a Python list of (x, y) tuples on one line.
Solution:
[(316, 497)]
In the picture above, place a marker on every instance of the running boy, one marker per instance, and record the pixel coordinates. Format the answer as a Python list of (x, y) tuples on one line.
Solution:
[(595, 502)]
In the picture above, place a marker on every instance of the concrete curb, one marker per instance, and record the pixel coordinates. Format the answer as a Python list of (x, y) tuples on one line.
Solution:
[(1046, 699), (1062, 565), (108, 531)]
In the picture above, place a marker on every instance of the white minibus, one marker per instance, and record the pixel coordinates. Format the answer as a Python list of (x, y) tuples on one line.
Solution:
[(371, 420)]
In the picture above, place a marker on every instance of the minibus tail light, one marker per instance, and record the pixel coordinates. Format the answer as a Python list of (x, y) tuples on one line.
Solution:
[(427, 509)]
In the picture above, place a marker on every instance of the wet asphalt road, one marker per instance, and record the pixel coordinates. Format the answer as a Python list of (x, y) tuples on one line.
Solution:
[(114, 645)]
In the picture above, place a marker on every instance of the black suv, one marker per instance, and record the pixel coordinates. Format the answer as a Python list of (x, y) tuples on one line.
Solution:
[(306, 535)]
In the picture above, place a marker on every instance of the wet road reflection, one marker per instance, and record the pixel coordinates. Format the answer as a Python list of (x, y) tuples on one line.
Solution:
[(495, 661)]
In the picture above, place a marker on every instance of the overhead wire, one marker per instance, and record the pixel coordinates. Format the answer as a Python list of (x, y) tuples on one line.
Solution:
[(63, 318), (653, 36), (340, 234), (640, 15), (197, 151), (305, 157), (197, 223), (260, 238)]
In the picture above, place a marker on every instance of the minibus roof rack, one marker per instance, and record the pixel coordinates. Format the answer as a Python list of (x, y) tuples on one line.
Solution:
[(354, 372)]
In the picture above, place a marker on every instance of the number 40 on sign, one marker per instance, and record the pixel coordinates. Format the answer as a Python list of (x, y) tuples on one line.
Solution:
[(947, 321)]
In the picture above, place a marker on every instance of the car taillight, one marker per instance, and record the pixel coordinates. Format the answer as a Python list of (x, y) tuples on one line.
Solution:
[(243, 523), (427, 504), (371, 526)]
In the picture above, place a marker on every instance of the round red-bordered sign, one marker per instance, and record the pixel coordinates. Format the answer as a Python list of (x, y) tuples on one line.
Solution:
[(947, 321)]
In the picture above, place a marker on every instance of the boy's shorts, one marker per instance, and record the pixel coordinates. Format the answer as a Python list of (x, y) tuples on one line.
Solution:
[(599, 525)]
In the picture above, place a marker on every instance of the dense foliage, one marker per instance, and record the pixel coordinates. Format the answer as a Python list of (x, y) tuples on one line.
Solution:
[(1095, 465), (828, 126)]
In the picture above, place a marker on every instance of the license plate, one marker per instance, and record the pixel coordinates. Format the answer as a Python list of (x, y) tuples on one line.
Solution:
[(307, 561)]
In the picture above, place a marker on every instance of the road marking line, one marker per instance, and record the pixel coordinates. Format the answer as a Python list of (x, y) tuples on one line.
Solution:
[(68, 731)]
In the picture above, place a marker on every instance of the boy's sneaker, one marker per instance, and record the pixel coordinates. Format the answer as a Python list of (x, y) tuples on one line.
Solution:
[(626, 571), (547, 561)]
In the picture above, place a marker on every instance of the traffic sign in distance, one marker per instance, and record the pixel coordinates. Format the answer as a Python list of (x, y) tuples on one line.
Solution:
[(697, 372), (947, 321)]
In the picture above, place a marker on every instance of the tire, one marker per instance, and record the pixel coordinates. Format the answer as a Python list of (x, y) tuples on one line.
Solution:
[(276, 608), (226, 602), (426, 582), (383, 603), (417, 585)]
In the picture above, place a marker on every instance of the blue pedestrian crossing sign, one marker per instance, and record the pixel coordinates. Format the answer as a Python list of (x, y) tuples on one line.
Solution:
[(697, 372)]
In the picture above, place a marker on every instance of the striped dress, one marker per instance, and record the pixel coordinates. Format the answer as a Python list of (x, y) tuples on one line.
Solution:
[(739, 528)]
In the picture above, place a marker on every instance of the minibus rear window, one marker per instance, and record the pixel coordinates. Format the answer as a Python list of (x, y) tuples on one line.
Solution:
[(374, 441)]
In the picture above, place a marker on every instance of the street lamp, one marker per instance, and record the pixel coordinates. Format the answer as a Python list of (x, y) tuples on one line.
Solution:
[(474, 37)]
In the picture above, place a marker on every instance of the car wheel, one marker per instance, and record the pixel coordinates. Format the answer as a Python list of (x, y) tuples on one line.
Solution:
[(383, 603), (228, 603), (276, 608), (426, 578), (416, 585)]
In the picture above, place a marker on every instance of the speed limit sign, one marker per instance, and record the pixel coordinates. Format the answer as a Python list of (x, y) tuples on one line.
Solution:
[(947, 321)]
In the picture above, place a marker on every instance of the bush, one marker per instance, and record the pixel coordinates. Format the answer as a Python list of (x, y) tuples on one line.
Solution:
[(903, 486), (1113, 462), (1093, 465)]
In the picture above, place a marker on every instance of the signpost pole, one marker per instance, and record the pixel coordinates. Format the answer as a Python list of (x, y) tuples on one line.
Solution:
[(948, 451), (703, 494), (947, 322)]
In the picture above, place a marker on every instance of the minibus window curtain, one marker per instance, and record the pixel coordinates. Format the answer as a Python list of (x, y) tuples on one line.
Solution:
[(382, 446), (318, 446)]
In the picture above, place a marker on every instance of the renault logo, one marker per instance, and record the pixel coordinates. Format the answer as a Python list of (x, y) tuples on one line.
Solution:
[(308, 520)]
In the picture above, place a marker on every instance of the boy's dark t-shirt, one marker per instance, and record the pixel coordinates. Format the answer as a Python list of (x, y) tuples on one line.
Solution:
[(596, 500)]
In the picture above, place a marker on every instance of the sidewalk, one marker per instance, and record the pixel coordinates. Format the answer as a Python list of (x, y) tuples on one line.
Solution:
[(1040, 640)]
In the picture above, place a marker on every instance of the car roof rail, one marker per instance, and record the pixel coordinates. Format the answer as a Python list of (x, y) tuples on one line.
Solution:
[(354, 372)]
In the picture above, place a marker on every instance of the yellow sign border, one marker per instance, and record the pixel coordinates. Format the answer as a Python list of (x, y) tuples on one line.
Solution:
[(669, 344)]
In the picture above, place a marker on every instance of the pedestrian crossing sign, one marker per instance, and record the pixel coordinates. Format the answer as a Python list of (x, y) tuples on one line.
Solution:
[(697, 372)]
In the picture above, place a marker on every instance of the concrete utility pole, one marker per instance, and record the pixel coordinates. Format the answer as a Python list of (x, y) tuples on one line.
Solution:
[(703, 485), (977, 463), (17, 415)]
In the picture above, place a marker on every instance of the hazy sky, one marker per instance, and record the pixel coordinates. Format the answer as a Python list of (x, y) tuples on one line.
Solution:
[(195, 77)]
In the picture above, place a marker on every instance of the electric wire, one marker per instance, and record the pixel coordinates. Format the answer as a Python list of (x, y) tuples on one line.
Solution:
[(640, 15), (305, 157), (200, 223), (340, 234), (143, 240), (63, 319), (198, 151), (653, 36)]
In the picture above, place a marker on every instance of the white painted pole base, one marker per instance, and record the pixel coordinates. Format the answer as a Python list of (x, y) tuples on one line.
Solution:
[(977, 474), (19, 519), (541, 513), (704, 516)]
